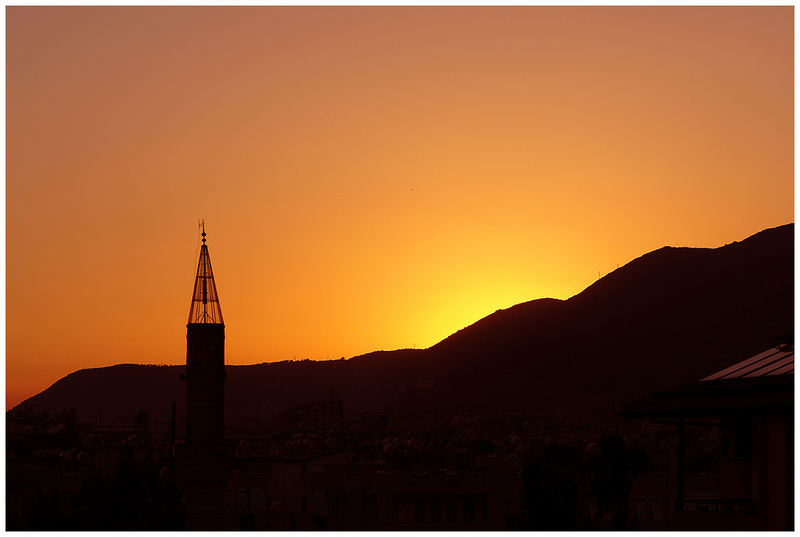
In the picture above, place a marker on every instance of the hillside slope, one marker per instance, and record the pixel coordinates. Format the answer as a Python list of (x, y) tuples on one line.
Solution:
[(668, 317)]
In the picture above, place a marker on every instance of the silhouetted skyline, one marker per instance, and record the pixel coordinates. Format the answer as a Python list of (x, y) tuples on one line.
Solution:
[(535, 417), (482, 268), (375, 178), (583, 353)]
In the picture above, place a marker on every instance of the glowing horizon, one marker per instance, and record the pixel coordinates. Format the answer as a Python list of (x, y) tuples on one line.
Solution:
[(371, 178)]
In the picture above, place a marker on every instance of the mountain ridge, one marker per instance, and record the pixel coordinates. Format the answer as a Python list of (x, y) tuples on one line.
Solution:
[(668, 316)]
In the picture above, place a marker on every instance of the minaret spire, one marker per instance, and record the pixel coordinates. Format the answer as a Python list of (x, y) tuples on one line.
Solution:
[(205, 308), (205, 358)]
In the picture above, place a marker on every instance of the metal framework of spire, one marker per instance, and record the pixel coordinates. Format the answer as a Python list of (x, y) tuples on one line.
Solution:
[(205, 307)]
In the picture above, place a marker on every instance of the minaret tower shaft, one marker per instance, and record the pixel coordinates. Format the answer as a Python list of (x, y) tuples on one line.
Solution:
[(205, 358)]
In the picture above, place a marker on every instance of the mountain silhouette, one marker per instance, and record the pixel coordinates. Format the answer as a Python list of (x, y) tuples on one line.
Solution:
[(666, 318)]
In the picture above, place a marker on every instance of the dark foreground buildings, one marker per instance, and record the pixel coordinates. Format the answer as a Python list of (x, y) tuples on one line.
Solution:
[(329, 479), (717, 454), (319, 470), (748, 408)]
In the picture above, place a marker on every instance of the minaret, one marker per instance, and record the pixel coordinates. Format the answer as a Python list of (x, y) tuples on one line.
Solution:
[(205, 358)]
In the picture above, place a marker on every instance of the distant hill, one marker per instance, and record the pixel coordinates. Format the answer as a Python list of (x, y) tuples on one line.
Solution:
[(668, 317)]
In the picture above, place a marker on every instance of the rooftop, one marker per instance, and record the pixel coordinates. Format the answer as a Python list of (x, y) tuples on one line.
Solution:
[(775, 361)]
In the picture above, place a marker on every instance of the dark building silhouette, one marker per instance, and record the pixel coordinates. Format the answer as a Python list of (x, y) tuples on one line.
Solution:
[(205, 358), (204, 460), (749, 406), (392, 440)]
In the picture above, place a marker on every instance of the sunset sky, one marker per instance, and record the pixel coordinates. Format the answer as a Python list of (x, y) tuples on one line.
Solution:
[(371, 178)]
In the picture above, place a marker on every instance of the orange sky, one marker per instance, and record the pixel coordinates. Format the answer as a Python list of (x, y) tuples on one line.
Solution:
[(372, 178)]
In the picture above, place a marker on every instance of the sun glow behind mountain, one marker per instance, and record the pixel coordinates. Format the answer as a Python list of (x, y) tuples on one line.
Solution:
[(372, 178)]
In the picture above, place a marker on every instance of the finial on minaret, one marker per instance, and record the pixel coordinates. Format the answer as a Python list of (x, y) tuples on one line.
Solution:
[(203, 226)]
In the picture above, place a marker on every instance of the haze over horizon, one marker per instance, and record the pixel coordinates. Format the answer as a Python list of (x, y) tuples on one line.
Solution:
[(371, 178)]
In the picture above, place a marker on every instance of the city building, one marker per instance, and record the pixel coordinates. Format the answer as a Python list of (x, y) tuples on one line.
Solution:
[(750, 408)]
